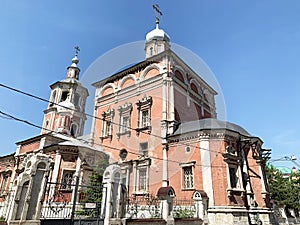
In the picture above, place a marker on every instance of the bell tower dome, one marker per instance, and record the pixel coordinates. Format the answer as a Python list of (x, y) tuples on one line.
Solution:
[(66, 110), (157, 40)]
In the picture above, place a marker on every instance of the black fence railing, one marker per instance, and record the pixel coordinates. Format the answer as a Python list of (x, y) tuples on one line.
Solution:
[(71, 201), (146, 206)]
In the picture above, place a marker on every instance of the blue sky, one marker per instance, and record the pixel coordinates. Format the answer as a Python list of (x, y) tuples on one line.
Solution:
[(252, 48)]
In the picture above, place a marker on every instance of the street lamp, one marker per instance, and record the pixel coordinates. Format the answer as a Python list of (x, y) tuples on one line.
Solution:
[(292, 158)]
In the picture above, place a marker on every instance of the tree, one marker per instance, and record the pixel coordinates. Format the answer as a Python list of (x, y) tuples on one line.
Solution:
[(285, 191), (295, 190), (92, 196)]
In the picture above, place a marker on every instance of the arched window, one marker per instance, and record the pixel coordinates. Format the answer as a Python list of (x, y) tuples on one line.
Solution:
[(64, 96), (194, 88), (74, 129), (76, 99), (41, 165), (23, 196), (179, 76), (52, 100), (47, 124)]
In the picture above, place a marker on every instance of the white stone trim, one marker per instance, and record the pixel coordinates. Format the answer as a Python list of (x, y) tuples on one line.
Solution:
[(206, 170), (150, 67), (124, 79), (106, 86)]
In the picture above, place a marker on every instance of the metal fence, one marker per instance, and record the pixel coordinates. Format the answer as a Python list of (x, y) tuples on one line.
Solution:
[(143, 207), (71, 203), (183, 208)]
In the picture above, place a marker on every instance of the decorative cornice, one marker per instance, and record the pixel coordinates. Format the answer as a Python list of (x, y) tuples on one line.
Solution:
[(108, 113), (126, 107), (121, 74), (208, 134), (146, 101)]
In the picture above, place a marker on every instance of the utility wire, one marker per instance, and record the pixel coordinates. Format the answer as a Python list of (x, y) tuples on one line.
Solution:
[(95, 117), (101, 145), (92, 116)]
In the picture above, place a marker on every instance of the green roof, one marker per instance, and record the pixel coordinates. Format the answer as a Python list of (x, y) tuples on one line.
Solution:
[(284, 170)]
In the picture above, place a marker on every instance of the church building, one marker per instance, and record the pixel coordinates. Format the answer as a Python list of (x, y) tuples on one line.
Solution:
[(156, 121)]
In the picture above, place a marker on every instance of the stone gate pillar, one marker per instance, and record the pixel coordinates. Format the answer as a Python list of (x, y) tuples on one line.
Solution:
[(201, 204), (113, 195), (30, 183), (166, 196)]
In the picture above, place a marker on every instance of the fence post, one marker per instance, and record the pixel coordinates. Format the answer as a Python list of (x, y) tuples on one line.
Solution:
[(43, 198), (75, 198)]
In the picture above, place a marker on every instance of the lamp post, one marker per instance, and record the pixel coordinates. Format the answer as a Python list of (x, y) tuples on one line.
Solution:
[(292, 158)]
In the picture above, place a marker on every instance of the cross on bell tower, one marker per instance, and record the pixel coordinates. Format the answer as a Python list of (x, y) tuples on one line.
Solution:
[(157, 13), (77, 50), (157, 40)]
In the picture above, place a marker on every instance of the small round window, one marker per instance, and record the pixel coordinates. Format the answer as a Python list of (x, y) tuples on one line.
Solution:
[(187, 149)]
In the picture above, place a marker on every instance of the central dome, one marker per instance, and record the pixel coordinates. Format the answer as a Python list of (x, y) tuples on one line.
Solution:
[(157, 34)]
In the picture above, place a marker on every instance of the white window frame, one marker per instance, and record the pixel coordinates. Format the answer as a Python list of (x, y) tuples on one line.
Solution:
[(144, 106), (232, 162), (138, 166), (142, 181), (145, 118), (192, 176), (125, 125), (107, 124), (107, 128), (4, 182)]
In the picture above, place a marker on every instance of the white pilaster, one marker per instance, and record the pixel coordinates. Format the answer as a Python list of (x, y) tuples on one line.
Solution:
[(206, 170), (55, 173), (165, 167)]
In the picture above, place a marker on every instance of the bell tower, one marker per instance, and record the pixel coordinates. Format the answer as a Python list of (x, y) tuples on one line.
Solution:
[(66, 110), (157, 40)]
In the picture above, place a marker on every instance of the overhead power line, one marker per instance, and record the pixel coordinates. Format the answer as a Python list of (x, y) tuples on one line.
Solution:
[(101, 145), (97, 118), (92, 116)]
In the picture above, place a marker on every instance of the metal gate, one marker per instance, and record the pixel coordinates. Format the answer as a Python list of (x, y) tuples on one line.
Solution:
[(71, 204)]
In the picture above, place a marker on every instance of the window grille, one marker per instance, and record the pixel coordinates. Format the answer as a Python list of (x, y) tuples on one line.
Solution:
[(67, 180), (142, 186), (107, 128), (125, 115), (4, 182), (188, 177), (126, 124), (141, 176), (107, 118), (145, 118), (144, 114)]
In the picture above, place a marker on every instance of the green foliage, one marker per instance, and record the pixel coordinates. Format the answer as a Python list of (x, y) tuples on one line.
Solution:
[(184, 213), (285, 191), (295, 190), (93, 192)]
